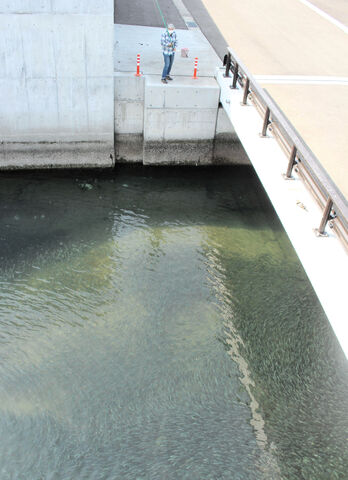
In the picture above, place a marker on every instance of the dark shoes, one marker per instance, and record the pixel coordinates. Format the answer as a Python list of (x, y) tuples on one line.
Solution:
[(165, 80)]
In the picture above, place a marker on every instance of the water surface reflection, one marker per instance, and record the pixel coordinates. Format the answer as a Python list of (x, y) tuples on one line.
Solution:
[(156, 323)]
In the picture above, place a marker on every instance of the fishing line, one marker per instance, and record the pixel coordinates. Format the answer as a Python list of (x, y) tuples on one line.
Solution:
[(160, 11)]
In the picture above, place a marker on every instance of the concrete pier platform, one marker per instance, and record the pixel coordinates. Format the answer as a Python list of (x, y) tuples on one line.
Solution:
[(176, 123), (131, 40), (180, 120)]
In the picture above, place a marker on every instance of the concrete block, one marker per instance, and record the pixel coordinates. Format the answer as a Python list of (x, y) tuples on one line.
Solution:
[(171, 124), (38, 46), (128, 87), (57, 155), (154, 96), (56, 76), (89, 7), (154, 124), (72, 62), (49, 46), (94, 7), (178, 153), (224, 125), (229, 153), (56, 45), (228, 149), (42, 101), (129, 148), (73, 104), (25, 6), (190, 124), (185, 96), (129, 117), (11, 50), (183, 92), (100, 92), (14, 111), (57, 108), (99, 45)]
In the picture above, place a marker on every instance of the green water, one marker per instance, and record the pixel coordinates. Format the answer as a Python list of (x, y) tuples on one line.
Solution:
[(157, 324)]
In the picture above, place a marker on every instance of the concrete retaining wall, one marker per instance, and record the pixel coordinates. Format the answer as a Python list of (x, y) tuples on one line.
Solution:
[(56, 83), (129, 117), (93, 7), (228, 149), (180, 120), (178, 123)]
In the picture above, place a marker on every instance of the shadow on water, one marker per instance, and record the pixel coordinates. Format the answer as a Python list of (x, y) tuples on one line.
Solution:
[(156, 323)]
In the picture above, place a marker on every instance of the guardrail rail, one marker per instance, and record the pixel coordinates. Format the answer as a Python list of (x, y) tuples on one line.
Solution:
[(332, 202)]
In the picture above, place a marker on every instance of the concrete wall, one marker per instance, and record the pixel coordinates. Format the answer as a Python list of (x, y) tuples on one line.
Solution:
[(164, 124), (180, 120), (56, 82), (129, 117), (228, 149), (174, 123)]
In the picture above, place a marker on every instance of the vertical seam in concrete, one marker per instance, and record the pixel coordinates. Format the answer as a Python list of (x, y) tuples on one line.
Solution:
[(86, 80), (164, 114), (144, 103), (56, 75), (71, 99), (144, 132), (4, 49), (24, 75)]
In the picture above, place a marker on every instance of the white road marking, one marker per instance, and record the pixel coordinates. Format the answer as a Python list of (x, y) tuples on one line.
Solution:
[(182, 9), (301, 79), (328, 17)]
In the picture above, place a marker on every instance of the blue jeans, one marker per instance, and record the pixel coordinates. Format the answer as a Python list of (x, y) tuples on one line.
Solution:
[(168, 62)]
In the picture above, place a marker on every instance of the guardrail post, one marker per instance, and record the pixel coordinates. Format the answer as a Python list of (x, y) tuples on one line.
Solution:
[(265, 122), (292, 162), (311, 172), (228, 65), (326, 215), (246, 91), (235, 75)]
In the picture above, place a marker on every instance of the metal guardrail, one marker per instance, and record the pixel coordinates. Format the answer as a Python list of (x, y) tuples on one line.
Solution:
[(301, 158)]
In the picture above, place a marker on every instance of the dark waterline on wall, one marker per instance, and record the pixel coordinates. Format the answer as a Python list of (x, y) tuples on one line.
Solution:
[(155, 323)]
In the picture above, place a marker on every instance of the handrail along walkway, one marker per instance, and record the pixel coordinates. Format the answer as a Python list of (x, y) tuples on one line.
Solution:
[(301, 158)]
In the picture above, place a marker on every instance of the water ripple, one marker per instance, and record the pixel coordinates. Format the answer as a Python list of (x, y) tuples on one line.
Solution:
[(157, 324)]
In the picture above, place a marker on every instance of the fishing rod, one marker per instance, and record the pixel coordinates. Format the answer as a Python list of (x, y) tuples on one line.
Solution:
[(162, 16)]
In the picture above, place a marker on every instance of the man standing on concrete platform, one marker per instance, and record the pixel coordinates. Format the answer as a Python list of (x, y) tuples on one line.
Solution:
[(169, 43)]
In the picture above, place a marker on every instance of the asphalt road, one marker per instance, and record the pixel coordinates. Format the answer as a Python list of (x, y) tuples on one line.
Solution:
[(336, 8), (145, 12), (207, 26)]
